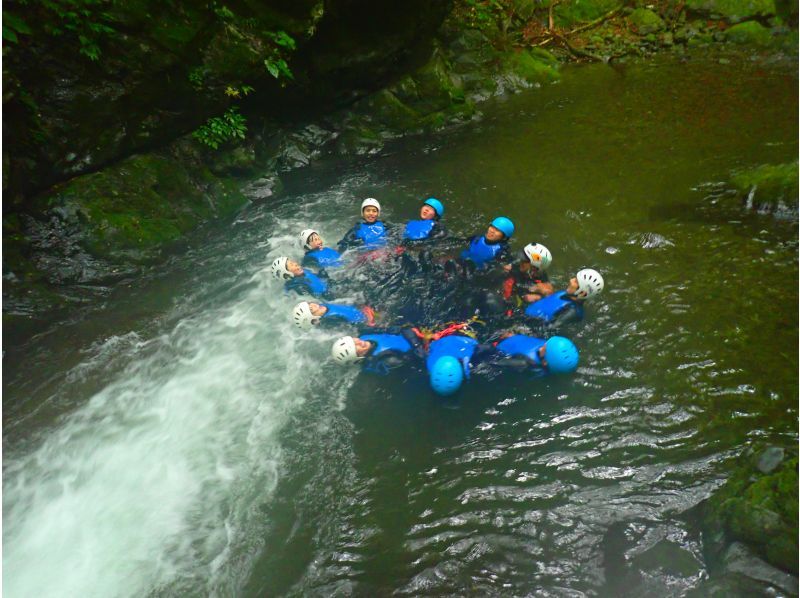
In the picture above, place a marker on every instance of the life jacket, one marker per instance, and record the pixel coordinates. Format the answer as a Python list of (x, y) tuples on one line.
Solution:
[(481, 252), (387, 342), (419, 229), (348, 313), (454, 345), (315, 285), (325, 257), (520, 344), (373, 235), (549, 307)]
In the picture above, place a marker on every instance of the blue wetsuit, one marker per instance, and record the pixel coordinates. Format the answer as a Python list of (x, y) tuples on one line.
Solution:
[(344, 314), (481, 251), (308, 284), (389, 351), (555, 306), (324, 258), (423, 230), (369, 236)]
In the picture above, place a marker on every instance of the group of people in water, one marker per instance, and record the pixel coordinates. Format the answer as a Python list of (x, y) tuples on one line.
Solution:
[(497, 299)]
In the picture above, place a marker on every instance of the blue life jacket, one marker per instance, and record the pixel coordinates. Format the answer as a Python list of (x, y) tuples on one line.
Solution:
[(548, 308), (348, 313), (419, 229), (325, 257), (521, 344), (373, 235), (454, 345), (481, 252), (387, 342), (315, 285)]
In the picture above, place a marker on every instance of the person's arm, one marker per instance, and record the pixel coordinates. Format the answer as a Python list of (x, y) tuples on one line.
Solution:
[(386, 362), (439, 232), (349, 240)]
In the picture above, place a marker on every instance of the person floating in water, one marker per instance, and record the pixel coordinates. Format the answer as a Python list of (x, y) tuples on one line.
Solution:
[(566, 305), (377, 353), (371, 233), (527, 279), (491, 247), (448, 362), (307, 314), (316, 253), (556, 355), (429, 225), (298, 279)]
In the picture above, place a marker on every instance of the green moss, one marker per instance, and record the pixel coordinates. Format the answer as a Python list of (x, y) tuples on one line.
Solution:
[(760, 510), (390, 111), (750, 34), (573, 12), (769, 184), (539, 67), (645, 21), (733, 9)]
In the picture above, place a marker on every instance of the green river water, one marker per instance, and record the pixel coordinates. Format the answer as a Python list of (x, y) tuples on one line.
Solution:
[(186, 440)]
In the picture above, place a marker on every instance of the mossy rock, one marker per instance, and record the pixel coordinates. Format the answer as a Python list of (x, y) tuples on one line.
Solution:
[(645, 21), (768, 186), (733, 10), (749, 33), (387, 109), (538, 66), (575, 12), (759, 509), (132, 209)]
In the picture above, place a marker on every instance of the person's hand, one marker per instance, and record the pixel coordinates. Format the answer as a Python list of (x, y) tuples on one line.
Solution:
[(530, 297)]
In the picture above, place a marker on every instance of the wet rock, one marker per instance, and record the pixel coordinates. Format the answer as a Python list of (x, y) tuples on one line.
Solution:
[(645, 21), (732, 10), (768, 188), (757, 509), (750, 34)]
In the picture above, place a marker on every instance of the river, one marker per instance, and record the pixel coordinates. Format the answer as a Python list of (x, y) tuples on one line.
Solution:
[(182, 438)]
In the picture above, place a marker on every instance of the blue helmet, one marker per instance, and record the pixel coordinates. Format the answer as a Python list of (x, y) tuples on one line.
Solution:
[(446, 375), (504, 225), (436, 205), (561, 355)]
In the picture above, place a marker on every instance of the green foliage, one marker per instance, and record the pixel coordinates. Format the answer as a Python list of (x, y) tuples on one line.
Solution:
[(276, 61), (221, 129), (482, 14), (85, 20), (196, 77)]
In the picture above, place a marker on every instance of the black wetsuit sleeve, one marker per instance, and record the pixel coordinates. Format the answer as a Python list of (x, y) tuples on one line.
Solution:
[(308, 261), (350, 240), (386, 362), (438, 233), (298, 285)]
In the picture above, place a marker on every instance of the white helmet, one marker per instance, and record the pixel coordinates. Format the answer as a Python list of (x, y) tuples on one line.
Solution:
[(302, 316), (589, 283), (279, 269), (370, 201), (344, 350), (539, 255), (305, 236)]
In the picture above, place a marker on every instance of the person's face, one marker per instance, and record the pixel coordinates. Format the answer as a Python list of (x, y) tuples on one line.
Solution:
[(362, 347), (317, 309), (370, 214), (494, 234), (315, 242), (294, 268), (572, 287), (427, 213)]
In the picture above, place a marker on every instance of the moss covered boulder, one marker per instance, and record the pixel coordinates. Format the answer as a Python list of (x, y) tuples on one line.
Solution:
[(732, 10), (757, 507), (769, 187), (645, 21), (749, 33), (131, 211)]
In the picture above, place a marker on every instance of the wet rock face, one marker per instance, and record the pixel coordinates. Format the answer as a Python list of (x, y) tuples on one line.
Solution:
[(751, 523), (165, 68)]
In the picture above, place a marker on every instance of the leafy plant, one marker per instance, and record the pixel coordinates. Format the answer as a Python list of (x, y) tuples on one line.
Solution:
[(276, 61), (237, 92), (196, 77), (221, 129), (13, 25)]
